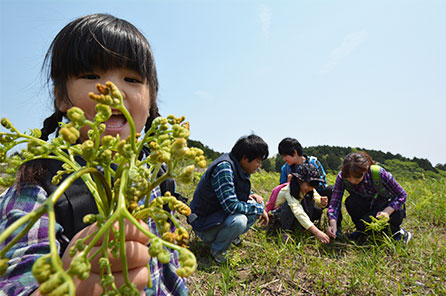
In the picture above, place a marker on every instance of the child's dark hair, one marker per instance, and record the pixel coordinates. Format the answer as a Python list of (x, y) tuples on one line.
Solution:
[(295, 187), (288, 145), (251, 146), (355, 164), (97, 41)]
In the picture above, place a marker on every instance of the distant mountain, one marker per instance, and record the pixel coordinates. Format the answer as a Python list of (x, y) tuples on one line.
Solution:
[(209, 153), (331, 158)]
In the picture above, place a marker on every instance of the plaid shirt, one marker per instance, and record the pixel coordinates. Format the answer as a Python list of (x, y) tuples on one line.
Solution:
[(18, 279), (223, 184), (366, 188)]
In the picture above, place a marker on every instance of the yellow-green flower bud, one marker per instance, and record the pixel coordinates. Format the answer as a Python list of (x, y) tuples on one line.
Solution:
[(36, 133), (76, 115), (88, 150), (102, 128), (80, 267), (187, 174), (69, 134), (164, 256), (103, 113), (51, 284), (202, 164), (89, 219), (6, 123), (109, 141)]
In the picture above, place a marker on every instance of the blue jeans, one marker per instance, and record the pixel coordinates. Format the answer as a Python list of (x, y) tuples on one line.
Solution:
[(221, 236)]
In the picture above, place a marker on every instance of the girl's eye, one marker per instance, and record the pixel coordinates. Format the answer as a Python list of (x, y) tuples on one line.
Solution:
[(90, 76), (132, 80)]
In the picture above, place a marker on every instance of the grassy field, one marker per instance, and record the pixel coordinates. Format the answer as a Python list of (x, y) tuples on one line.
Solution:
[(265, 265)]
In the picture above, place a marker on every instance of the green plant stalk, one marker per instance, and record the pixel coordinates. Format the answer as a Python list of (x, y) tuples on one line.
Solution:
[(131, 124), (153, 185), (54, 254), (104, 249)]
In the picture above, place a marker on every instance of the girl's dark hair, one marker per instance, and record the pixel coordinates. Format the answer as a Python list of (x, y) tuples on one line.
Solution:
[(355, 164), (97, 41), (93, 41), (295, 187), (251, 146)]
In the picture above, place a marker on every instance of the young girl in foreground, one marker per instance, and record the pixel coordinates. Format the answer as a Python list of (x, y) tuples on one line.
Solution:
[(364, 200), (300, 204), (89, 50)]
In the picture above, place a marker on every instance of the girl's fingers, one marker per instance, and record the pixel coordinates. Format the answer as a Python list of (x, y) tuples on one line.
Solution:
[(137, 256), (92, 285), (132, 233)]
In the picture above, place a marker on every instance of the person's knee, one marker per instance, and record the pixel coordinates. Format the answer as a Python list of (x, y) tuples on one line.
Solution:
[(238, 223)]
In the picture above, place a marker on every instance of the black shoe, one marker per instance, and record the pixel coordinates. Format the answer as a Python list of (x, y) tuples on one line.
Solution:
[(237, 241), (403, 236), (355, 235)]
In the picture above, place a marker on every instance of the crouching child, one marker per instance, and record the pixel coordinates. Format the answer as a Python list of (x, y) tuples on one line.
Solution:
[(298, 204)]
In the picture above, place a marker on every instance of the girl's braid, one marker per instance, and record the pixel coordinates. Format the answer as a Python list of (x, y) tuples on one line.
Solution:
[(153, 113), (51, 124)]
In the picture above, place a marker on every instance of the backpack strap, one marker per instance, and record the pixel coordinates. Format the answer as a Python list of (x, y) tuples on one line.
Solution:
[(272, 199), (377, 183), (375, 175)]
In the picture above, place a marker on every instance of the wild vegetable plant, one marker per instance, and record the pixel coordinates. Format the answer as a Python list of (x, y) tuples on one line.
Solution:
[(121, 185)]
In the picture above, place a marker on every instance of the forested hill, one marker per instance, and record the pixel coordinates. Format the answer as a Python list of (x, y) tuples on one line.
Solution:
[(331, 158)]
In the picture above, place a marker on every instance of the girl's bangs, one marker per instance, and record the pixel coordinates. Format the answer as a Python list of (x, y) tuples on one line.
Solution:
[(107, 49)]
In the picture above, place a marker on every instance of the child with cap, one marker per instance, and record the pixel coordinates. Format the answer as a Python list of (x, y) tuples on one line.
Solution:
[(299, 202)]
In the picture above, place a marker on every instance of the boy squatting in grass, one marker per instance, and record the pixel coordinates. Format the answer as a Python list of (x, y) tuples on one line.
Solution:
[(299, 203), (91, 49), (365, 200), (224, 207), (292, 153)]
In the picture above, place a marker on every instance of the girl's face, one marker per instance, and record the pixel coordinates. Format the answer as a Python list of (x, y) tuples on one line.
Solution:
[(305, 187), (134, 89), (355, 180)]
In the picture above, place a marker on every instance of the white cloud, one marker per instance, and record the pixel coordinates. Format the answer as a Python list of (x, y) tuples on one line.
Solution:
[(348, 45), (265, 16), (204, 95)]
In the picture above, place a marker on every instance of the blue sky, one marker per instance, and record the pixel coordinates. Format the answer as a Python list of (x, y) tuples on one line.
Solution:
[(367, 74)]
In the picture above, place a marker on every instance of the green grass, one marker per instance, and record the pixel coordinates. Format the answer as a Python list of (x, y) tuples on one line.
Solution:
[(265, 265)]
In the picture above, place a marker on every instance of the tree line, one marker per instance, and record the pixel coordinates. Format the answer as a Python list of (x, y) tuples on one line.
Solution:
[(331, 158)]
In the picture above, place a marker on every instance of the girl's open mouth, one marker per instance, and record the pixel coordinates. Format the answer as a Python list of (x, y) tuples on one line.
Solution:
[(117, 120)]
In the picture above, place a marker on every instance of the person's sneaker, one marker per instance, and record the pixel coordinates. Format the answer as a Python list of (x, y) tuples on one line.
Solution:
[(355, 235), (219, 257), (403, 236), (339, 234), (237, 241)]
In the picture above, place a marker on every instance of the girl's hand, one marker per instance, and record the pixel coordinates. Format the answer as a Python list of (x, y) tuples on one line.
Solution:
[(324, 201), (322, 237), (385, 213), (256, 197), (264, 219), (332, 228), (137, 259)]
